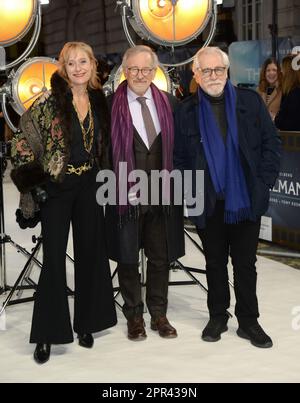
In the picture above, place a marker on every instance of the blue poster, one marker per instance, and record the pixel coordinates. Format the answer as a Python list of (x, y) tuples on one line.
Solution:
[(284, 208), (246, 59)]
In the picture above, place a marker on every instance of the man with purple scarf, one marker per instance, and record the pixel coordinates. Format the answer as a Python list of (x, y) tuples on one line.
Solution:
[(142, 136), (227, 132)]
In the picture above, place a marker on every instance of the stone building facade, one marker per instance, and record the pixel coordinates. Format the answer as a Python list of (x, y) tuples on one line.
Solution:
[(252, 18), (99, 23)]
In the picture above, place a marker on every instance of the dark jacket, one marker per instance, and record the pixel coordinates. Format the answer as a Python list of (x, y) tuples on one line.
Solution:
[(288, 117), (42, 145), (259, 149), (123, 243)]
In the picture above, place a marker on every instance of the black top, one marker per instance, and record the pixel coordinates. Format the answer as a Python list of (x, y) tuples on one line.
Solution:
[(218, 107), (79, 155)]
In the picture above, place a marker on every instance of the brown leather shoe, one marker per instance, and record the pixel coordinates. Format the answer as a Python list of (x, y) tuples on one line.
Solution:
[(165, 329), (136, 329)]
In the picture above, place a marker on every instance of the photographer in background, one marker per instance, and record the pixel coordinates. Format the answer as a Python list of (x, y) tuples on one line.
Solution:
[(61, 144)]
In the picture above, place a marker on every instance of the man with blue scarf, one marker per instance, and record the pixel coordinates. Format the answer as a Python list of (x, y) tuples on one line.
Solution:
[(227, 132)]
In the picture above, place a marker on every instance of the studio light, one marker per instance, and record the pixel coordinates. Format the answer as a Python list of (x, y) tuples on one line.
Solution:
[(170, 22), (33, 77), (30, 81), (26, 84), (17, 17), (161, 80)]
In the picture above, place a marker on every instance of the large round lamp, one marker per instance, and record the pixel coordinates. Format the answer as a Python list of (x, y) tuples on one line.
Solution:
[(30, 81), (26, 84), (17, 17), (168, 22)]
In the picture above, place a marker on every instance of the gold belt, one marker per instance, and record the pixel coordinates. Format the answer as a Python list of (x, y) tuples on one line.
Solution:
[(71, 169)]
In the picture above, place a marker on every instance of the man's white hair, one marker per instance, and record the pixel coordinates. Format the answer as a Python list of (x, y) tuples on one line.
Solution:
[(209, 50)]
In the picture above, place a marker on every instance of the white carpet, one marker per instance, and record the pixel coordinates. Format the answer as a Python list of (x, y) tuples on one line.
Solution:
[(186, 359)]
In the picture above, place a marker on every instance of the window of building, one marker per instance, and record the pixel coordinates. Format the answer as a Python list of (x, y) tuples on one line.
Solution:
[(251, 13)]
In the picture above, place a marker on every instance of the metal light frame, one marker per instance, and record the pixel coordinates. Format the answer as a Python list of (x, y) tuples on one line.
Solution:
[(129, 12), (42, 81), (11, 89), (140, 22), (37, 16), (8, 90), (6, 93), (23, 30)]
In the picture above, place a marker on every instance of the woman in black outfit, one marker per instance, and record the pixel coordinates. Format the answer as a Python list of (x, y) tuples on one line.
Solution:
[(288, 117), (60, 147)]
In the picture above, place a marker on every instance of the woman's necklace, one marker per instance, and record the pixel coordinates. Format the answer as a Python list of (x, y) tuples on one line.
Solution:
[(87, 134)]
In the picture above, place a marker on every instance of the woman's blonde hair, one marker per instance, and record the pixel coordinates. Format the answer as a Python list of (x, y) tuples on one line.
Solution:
[(291, 77), (64, 55)]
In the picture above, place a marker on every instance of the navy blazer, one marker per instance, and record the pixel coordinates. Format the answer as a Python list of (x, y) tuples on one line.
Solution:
[(259, 149)]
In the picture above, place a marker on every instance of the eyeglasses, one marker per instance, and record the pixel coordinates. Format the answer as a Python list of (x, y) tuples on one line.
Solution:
[(134, 71), (219, 71)]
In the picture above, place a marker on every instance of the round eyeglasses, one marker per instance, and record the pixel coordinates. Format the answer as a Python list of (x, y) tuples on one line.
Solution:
[(134, 71)]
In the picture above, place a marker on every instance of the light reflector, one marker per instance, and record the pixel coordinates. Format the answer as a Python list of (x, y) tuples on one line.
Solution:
[(30, 81), (17, 17), (166, 24)]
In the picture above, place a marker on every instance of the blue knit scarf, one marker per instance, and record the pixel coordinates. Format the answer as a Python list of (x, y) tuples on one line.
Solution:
[(224, 160)]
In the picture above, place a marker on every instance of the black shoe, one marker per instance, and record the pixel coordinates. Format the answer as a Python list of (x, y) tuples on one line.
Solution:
[(86, 340), (213, 330), (42, 353), (256, 335)]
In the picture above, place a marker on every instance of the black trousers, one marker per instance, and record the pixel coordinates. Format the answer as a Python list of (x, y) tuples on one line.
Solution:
[(73, 201), (152, 237), (239, 241)]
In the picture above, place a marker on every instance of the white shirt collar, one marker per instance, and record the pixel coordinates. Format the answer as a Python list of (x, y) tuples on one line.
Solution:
[(132, 96)]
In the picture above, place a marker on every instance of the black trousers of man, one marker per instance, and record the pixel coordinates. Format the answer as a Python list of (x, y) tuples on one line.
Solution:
[(152, 237), (73, 201), (239, 241)]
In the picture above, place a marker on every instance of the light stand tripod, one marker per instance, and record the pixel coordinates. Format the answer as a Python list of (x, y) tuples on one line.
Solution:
[(4, 238), (23, 281), (24, 276)]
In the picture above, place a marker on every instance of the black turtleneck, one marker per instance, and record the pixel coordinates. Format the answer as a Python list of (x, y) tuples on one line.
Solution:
[(218, 107)]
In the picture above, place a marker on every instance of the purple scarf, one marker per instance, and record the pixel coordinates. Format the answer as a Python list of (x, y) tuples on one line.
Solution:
[(122, 136)]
